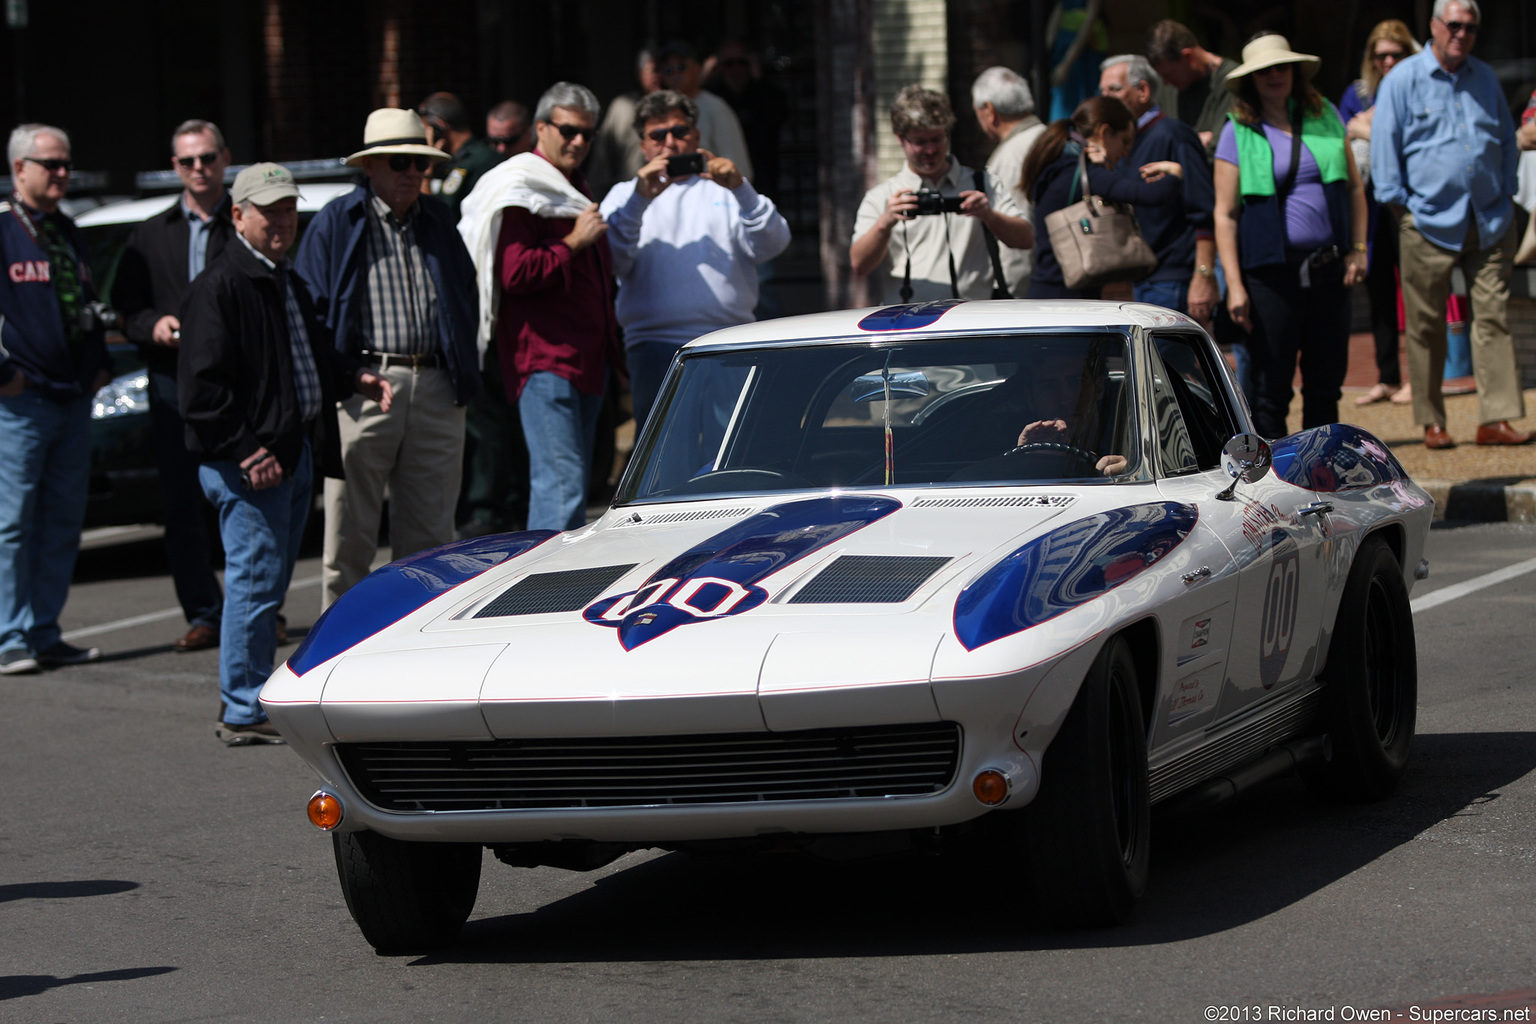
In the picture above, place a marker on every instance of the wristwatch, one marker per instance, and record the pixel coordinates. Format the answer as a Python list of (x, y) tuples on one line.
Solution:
[(1205, 271)]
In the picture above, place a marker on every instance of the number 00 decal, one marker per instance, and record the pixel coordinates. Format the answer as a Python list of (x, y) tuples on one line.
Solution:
[(1278, 622)]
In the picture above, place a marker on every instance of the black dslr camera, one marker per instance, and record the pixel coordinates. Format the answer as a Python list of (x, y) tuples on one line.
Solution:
[(97, 316), (930, 201)]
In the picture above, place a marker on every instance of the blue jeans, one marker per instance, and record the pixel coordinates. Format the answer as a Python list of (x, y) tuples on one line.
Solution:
[(648, 363), (188, 548), (559, 423), (1171, 294), (261, 531), (45, 472)]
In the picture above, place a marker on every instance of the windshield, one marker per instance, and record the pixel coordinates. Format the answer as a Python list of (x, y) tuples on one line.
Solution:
[(1001, 409)]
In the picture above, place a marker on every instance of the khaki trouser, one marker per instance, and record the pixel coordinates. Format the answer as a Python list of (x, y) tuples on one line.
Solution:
[(417, 451), (1426, 269)]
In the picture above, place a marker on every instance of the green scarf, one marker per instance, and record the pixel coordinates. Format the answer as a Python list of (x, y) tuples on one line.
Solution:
[(1323, 135)]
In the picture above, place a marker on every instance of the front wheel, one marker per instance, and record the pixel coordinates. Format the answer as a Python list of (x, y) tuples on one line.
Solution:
[(1089, 829), (1370, 684), (406, 896)]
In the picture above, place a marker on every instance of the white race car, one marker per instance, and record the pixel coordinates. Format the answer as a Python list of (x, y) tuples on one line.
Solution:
[(880, 577)]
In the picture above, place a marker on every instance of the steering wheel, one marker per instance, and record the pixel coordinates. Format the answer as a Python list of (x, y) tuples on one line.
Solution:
[(1034, 460), (752, 478)]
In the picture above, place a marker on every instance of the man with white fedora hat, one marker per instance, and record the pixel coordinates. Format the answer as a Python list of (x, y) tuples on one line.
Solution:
[(393, 281)]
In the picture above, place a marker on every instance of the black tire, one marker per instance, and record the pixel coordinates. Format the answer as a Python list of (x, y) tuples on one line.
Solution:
[(1089, 829), (406, 897), (1370, 684)]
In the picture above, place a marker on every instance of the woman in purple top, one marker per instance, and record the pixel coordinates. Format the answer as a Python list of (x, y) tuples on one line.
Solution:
[(1389, 42), (1292, 241), (1102, 128)]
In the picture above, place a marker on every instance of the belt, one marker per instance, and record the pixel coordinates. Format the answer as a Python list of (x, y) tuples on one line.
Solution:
[(384, 360)]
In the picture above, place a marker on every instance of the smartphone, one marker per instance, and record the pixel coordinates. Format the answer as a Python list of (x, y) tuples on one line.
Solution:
[(685, 163)]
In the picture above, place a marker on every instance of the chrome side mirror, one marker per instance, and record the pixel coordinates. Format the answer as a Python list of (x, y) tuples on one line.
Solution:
[(1245, 457)]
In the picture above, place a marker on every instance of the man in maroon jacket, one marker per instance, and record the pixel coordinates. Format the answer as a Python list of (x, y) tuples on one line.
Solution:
[(556, 332)]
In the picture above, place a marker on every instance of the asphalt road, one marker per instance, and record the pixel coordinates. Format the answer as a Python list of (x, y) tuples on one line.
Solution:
[(149, 874)]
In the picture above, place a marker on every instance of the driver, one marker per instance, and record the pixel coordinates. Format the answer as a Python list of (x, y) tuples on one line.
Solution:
[(1052, 389)]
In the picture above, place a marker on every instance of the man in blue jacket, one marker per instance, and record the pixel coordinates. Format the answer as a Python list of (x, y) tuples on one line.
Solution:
[(52, 359), (1181, 234), (391, 278)]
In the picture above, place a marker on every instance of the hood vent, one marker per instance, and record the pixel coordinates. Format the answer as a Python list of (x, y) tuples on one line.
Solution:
[(1000, 501), (869, 579), (546, 592), (637, 519)]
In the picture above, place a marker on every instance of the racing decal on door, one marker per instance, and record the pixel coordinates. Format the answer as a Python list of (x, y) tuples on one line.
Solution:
[(719, 577), (1277, 624)]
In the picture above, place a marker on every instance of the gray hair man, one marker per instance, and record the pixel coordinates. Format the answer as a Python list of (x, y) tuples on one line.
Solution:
[(1005, 109)]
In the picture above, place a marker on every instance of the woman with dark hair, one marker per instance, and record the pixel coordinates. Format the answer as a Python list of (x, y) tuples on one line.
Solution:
[(1389, 42), (1290, 228), (1103, 129)]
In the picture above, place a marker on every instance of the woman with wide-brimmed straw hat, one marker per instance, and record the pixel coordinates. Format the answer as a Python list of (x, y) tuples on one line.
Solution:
[(1290, 228)]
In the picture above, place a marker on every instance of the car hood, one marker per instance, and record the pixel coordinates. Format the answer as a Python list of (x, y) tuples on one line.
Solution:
[(774, 608)]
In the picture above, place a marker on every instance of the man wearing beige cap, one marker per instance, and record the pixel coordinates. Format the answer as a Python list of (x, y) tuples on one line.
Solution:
[(257, 383), (394, 284)]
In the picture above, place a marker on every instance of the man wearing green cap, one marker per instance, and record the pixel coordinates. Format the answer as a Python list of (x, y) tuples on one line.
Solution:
[(258, 380)]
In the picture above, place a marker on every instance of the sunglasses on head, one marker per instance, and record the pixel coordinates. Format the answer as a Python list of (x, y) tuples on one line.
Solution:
[(404, 161), (52, 165), (1457, 27), (677, 131), (206, 159), (570, 131)]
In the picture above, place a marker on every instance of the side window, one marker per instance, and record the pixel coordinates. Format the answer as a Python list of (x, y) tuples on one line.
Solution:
[(1184, 372)]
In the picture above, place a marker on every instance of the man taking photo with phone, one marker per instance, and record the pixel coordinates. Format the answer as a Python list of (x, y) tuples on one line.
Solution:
[(687, 235)]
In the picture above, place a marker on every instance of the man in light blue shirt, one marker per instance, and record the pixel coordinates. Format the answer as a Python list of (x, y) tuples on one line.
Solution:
[(1443, 156)]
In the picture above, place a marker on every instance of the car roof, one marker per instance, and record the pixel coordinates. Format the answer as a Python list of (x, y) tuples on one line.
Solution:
[(312, 196), (948, 317)]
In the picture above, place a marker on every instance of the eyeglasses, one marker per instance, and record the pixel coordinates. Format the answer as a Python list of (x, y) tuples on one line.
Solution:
[(52, 166), (677, 131), (1390, 55), (673, 69), (570, 131), (206, 159), (1458, 27), (503, 140), (401, 162)]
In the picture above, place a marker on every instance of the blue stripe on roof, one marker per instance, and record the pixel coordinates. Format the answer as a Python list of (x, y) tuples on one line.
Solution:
[(908, 317)]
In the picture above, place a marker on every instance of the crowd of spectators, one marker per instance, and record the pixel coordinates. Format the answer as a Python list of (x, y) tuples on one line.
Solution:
[(452, 330)]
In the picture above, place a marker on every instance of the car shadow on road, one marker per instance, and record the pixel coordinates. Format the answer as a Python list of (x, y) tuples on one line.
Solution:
[(1210, 873)]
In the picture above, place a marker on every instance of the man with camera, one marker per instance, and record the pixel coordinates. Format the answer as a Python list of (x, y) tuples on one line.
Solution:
[(163, 255), (923, 235), (687, 234), (53, 358)]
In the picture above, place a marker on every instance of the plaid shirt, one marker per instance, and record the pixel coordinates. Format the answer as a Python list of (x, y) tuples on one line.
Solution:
[(306, 376), (400, 316)]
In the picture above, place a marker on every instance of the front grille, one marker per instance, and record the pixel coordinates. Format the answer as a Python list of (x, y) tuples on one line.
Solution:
[(645, 771), (545, 592), (869, 579)]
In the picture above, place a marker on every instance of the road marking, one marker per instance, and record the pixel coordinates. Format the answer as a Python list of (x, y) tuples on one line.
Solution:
[(1457, 590), (160, 616)]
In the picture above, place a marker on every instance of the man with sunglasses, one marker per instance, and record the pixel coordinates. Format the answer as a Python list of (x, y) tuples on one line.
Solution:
[(555, 331), (509, 128), (393, 281), (1444, 158), (448, 129), (161, 258), (719, 129), (686, 246), (53, 357)]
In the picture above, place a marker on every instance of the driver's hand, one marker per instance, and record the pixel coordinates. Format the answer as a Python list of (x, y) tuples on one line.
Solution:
[(1043, 431), (1111, 465)]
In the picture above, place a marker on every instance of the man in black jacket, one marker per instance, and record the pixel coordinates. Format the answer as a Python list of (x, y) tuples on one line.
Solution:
[(163, 254), (258, 379)]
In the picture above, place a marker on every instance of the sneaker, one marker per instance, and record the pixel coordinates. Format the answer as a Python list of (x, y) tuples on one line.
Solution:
[(17, 661), (247, 735), (62, 653)]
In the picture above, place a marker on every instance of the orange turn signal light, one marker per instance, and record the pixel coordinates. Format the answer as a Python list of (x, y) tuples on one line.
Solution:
[(324, 811), (990, 786)]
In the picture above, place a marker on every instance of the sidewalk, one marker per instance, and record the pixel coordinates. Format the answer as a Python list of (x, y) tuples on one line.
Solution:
[(1468, 482)]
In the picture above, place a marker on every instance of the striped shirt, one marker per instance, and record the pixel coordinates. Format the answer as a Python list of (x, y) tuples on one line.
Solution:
[(306, 375), (400, 316)]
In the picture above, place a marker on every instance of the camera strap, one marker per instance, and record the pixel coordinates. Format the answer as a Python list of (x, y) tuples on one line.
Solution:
[(999, 286), (906, 274)]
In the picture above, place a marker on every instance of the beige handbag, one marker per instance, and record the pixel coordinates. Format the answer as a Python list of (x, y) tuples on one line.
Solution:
[(1527, 251), (1097, 241)]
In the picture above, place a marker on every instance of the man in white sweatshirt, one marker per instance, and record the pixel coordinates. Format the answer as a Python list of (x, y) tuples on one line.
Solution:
[(685, 245)]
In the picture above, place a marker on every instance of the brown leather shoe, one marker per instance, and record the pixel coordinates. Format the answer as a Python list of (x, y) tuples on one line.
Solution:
[(1502, 433), (1435, 436), (198, 638)]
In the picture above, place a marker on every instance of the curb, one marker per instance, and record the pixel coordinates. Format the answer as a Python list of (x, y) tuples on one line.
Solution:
[(1489, 501)]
